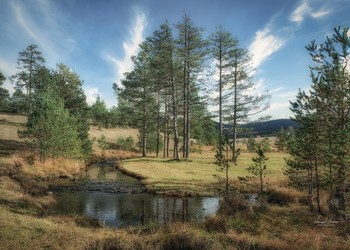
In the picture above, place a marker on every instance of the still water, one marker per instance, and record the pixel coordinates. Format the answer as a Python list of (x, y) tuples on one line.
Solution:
[(120, 205), (121, 210)]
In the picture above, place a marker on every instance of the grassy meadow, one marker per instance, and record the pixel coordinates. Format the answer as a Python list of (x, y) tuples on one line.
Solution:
[(198, 176), (26, 221)]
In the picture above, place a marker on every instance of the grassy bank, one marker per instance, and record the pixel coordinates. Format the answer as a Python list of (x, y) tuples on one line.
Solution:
[(199, 175)]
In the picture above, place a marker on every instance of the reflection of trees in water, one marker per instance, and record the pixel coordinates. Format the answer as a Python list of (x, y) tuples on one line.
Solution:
[(69, 203), (137, 209), (170, 209)]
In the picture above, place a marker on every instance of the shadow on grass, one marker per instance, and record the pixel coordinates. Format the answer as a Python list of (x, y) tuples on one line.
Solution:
[(8, 147)]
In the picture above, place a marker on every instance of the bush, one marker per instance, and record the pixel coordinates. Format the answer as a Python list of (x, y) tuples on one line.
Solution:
[(283, 196), (233, 204), (126, 143), (251, 144)]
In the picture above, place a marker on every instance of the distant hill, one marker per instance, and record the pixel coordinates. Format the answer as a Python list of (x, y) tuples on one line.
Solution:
[(266, 128)]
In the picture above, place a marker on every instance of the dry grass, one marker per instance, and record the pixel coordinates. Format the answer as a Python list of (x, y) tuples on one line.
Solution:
[(111, 134), (10, 189), (9, 124), (51, 168), (28, 232)]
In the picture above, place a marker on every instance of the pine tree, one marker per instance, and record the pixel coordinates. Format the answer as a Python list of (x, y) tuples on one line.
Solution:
[(4, 94), (281, 141), (192, 49), (243, 101), (51, 128), (99, 113), (70, 88), (165, 65), (258, 168), (223, 45), (29, 62), (138, 90)]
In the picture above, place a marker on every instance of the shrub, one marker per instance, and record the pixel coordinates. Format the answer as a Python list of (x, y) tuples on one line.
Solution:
[(126, 143), (233, 204)]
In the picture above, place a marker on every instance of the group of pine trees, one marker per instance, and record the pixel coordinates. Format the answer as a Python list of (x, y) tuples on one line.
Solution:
[(55, 104), (165, 93), (320, 150)]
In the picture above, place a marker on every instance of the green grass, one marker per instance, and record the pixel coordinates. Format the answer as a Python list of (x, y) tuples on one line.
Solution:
[(197, 175)]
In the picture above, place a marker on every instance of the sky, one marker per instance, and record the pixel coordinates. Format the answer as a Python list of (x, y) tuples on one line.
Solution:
[(96, 38)]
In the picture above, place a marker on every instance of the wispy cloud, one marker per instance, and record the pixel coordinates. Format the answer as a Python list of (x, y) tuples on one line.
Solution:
[(279, 104), (265, 43), (306, 8), (270, 39), (130, 46), (24, 21), (38, 20), (320, 13), (301, 11)]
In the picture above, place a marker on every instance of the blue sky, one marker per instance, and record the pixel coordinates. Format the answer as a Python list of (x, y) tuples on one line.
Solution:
[(97, 38)]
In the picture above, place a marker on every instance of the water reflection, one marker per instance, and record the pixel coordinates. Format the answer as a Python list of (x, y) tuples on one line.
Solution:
[(120, 210)]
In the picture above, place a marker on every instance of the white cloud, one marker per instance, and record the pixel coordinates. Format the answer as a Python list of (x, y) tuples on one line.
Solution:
[(305, 9), (300, 12), (91, 94), (279, 104), (320, 13), (265, 43), (130, 47)]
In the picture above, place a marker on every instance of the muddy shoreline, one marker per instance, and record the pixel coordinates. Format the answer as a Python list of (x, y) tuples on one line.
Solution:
[(99, 186), (104, 176)]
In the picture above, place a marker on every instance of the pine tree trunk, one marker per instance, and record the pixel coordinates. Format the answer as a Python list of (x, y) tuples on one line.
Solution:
[(184, 128), (220, 102), (158, 125), (174, 109), (310, 185), (166, 128), (317, 186), (234, 128), (188, 119)]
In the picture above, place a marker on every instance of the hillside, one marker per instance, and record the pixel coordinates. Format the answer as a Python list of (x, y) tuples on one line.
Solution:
[(266, 128), (270, 127), (10, 142)]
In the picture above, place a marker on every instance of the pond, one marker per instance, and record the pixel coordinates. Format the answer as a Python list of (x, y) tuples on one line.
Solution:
[(117, 200)]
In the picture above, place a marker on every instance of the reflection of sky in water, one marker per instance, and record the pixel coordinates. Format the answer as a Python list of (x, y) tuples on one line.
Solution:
[(118, 210)]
